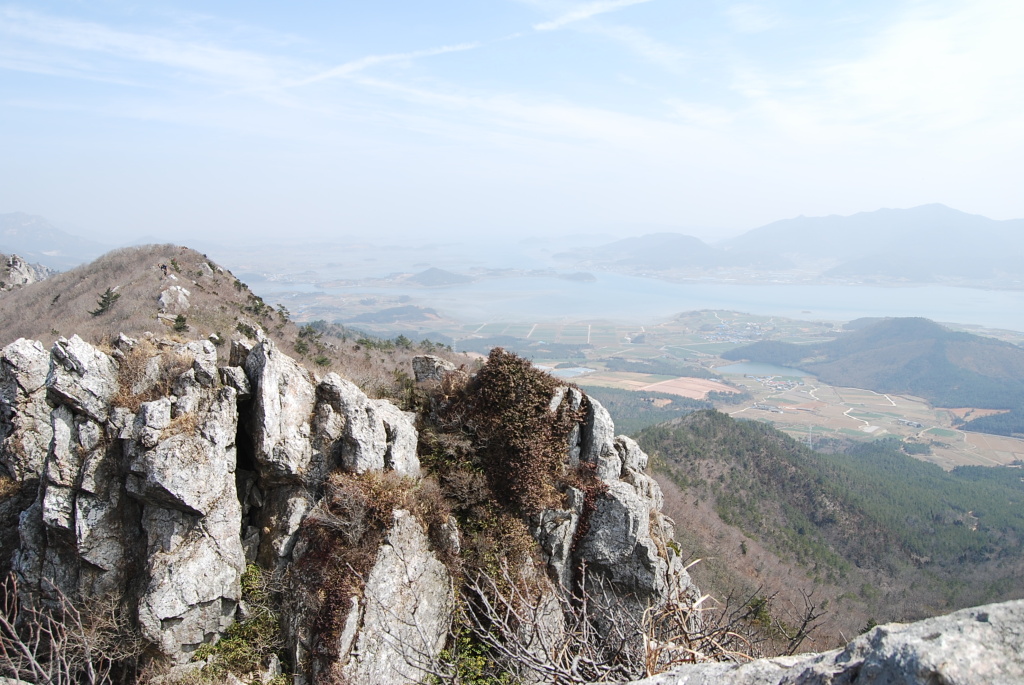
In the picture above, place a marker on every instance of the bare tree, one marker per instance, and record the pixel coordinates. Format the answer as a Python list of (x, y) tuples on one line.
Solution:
[(533, 632), (52, 641)]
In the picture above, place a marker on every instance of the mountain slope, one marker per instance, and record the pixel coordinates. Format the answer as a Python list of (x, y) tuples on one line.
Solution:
[(927, 243), (911, 356), (878, 533)]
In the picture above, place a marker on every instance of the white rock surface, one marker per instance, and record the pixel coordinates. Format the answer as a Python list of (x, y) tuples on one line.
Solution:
[(25, 431), (407, 606)]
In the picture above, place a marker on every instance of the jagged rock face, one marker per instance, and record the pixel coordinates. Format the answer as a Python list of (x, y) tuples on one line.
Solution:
[(283, 399), (150, 493), (16, 272), (622, 544), (25, 431), (82, 377), (375, 435), (401, 623), (979, 645)]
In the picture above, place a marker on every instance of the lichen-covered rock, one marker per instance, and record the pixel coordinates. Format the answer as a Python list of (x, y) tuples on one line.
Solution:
[(139, 506), (620, 536), (597, 442), (25, 431), (402, 621), (968, 647)]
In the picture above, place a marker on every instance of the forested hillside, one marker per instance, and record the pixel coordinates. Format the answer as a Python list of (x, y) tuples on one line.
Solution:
[(881, 535)]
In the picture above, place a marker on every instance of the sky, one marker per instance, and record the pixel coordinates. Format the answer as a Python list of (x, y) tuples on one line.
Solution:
[(267, 121)]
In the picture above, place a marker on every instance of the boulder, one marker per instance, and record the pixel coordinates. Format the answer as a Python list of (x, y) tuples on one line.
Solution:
[(427, 367), (174, 300), (374, 434), (283, 403)]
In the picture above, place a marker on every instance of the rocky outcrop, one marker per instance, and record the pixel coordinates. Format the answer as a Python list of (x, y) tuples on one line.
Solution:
[(401, 623), (967, 647), (149, 493), (25, 431), (620, 539), (174, 300), (16, 272)]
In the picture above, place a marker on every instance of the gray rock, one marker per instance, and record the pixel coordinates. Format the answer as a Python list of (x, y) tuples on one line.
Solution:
[(407, 607), (174, 300), (25, 431), (597, 442), (632, 456), (16, 272), (427, 367), (554, 530), (972, 646), (192, 520), (234, 377), (400, 433), (82, 377), (375, 435), (283, 402)]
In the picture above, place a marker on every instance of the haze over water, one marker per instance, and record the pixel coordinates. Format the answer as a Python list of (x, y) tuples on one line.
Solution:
[(642, 300)]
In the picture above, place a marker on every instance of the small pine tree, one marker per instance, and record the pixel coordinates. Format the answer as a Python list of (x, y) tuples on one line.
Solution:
[(106, 301), (179, 323)]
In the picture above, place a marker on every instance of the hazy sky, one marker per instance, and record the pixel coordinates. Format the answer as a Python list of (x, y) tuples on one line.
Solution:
[(387, 117)]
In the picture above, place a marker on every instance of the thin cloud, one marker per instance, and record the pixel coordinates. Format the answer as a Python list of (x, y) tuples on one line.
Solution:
[(585, 12), (233, 65), (643, 45), (355, 66)]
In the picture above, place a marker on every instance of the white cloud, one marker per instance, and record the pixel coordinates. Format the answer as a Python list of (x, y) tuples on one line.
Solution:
[(942, 75), (747, 18), (235, 66), (355, 66), (581, 12), (642, 44)]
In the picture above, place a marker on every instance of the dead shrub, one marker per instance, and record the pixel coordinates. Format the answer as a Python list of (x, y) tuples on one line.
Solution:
[(145, 374)]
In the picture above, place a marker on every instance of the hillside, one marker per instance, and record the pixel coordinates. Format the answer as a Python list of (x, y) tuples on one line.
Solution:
[(909, 356), (209, 300), (877, 533)]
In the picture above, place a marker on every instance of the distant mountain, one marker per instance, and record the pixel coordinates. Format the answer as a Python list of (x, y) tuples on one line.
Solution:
[(924, 244), (668, 251), (37, 240), (927, 244), (910, 356), (434, 277)]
